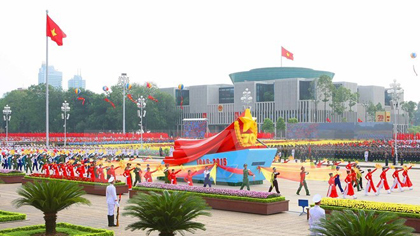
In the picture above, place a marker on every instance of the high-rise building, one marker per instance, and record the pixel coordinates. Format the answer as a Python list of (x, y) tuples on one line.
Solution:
[(55, 77), (77, 82)]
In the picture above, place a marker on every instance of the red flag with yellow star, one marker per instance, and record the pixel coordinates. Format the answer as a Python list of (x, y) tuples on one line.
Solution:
[(54, 32), (286, 54)]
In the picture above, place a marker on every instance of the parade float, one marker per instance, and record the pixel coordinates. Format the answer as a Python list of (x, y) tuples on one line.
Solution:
[(225, 153)]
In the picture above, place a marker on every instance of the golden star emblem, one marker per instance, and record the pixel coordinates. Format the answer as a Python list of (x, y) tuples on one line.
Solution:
[(247, 121), (288, 54), (53, 32)]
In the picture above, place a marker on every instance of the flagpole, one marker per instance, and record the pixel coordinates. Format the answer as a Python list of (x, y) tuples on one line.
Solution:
[(46, 96)]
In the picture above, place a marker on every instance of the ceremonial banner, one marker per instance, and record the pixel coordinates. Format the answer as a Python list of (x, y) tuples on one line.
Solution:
[(54, 32)]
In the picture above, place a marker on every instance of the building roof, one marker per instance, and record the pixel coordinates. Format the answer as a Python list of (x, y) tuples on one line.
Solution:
[(275, 73)]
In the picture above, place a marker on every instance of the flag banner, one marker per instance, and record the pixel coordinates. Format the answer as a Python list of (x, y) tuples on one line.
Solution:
[(286, 54), (54, 32), (359, 120), (328, 120)]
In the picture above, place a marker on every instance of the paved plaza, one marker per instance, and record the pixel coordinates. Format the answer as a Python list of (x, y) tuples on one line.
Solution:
[(221, 222)]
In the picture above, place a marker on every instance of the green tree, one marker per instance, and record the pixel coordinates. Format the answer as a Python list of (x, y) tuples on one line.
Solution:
[(292, 120), (325, 88), (409, 107), (417, 115), (354, 98), (268, 126), (280, 125), (167, 213), (379, 107), (339, 98), (414, 129), (371, 110), (50, 197), (349, 223)]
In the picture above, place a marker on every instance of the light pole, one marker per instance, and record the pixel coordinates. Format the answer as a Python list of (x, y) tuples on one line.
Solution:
[(246, 98), (123, 80), (7, 115), (395, 92), (141, 104), (65, 108)]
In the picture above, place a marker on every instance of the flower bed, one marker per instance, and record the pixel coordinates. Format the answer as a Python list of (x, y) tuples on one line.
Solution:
[(225, 199), (11, 216), (71, 230), (410, 212), (95, 188), (11, 176)]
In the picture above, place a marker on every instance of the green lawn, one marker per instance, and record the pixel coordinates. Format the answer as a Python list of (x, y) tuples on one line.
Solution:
[(71, 230)]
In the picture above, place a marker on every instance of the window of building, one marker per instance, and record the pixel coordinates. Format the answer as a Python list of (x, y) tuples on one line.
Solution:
[(265, 92), (305, 90), (185, 97), (226, 94), (388, 98)]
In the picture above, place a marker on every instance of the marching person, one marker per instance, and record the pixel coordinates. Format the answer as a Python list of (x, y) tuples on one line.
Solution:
[(148, 175), (207, 177), (188, 178), (166, 172), (303, 181), (111, 200), (349, 190), (397, 181), (316, 213), (173, 176), (273, 181), (383, 183), (406, 180), (127, 175), (337, 181), (332, 190), (137, 173), (245, 180), (369, 184)]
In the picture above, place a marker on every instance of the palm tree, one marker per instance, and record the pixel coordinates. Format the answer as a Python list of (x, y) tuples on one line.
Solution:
[(166, 213), (361, 223), (50, 197)]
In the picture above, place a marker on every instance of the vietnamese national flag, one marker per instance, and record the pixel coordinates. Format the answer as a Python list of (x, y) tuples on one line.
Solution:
[(286, 54), (54, 32), (359, 120), (328, 120)]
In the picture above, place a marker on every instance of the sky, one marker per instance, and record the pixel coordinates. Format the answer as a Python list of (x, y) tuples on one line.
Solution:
[(201, 42)]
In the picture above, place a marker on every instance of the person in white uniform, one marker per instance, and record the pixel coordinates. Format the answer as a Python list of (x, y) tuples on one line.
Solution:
[(316, 213), (111, 200)]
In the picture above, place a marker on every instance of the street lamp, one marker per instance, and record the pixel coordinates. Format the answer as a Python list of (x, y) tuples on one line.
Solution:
[(395, 92), (141, 104), (246, 98), (123, 81), (65, 108), (7, 115)]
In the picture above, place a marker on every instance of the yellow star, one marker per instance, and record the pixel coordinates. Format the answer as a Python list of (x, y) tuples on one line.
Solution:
[(288, 54), (53, 32), (247, 121)]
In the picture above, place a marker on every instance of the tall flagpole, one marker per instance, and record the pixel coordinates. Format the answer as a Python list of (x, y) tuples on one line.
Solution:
[(46, 97)]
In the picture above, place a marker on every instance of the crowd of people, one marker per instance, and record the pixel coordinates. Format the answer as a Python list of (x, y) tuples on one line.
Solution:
[(372, 151)]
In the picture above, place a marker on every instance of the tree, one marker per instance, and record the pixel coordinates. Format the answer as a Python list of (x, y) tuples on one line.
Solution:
[(409, 107), (349, 223), (417, 115), (354, 98), (340, 96), (293, 120), (167, 213), (414, 129), (325, 87), (50, 197), (379, 107), (28, 107), (268, 126), (371, 110), (280, 125)]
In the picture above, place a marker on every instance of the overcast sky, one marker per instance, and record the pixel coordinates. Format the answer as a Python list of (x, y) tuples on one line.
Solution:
[(202, 42)]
